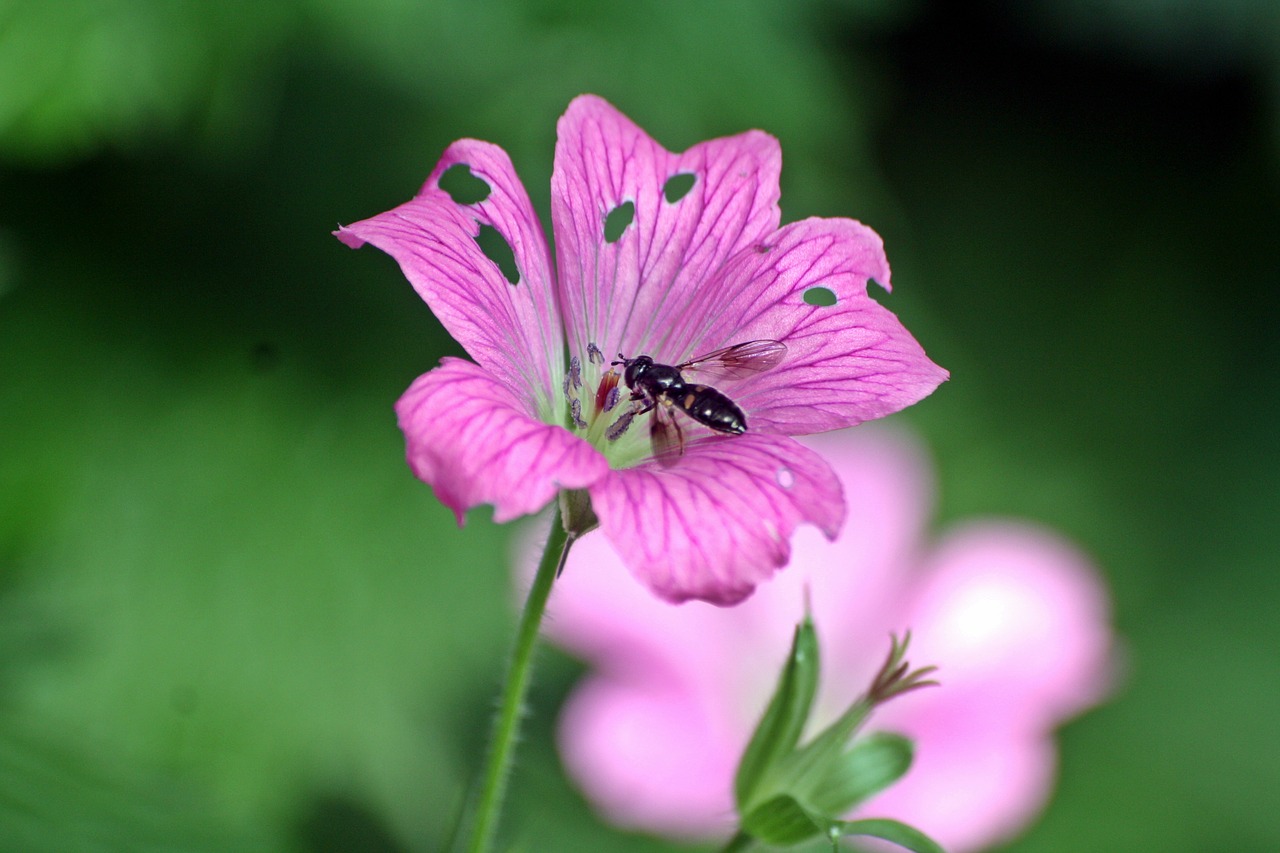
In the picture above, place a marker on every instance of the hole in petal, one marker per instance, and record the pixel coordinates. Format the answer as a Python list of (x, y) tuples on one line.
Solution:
[(463, 186), (678, 186), (786, 478), (820, 296), (877, 292), (618, 220), (497, 249)]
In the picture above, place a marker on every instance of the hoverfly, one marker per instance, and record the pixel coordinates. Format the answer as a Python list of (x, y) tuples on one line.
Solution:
[(661, 387)]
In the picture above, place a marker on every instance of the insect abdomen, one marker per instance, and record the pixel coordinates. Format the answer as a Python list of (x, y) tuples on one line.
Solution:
[(708, 406)]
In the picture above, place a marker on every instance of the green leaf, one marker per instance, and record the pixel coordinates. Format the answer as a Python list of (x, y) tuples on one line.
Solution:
[(872, 764), (805, 769), (891, 830), (782, 821), (784, 720)]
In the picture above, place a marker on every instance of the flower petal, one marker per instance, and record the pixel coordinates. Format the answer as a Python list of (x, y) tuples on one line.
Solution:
[(718, 523), (513, 330), (655, 759), (856, 583), (845, 363), (974, 783), (626, 294), (653, 735), (468, 437), (604, 614), (1017, 621), (669, 677), (1017, 616)]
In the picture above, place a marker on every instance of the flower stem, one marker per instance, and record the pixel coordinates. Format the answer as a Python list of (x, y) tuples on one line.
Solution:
[(507, 721)]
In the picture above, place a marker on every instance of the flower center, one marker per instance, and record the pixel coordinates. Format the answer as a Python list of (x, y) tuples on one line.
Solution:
[(601, 409)]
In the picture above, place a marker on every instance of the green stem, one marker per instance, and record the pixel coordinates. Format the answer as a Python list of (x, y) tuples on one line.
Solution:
[(507, 722)]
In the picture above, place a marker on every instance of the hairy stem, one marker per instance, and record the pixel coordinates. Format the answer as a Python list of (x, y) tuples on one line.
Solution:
[(506, 723)]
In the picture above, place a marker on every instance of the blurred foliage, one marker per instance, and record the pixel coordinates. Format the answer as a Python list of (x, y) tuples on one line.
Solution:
[(80, 75), (231, 620)]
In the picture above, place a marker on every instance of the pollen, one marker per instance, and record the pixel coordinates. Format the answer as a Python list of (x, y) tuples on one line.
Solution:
[(619, 427), (575, 372)]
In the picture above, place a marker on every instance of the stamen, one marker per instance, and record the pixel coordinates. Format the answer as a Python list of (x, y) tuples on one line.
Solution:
[(575, 371), (594, 355), (575, 409), (611, 399), (565, 386), (615, 431)]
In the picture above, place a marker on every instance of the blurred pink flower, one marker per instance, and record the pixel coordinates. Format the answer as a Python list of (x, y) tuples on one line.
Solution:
[(1016, 619), (699, 261)]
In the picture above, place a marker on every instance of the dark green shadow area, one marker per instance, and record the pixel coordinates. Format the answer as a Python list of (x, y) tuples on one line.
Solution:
[(335, 824)]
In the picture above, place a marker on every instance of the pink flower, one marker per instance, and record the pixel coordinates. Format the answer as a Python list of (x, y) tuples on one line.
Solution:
[(690, 273), (1014, 617)]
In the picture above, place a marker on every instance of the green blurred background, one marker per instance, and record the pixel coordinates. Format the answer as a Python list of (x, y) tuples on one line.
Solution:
[(230, 619)]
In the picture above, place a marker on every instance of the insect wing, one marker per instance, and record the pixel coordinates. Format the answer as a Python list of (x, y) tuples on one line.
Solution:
[(737, 361), (665, 436)]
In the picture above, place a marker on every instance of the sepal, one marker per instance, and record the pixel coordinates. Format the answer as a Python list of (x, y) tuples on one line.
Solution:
[(872, 764), (783, 822), (889, 830), (787, 793), (784, 720)]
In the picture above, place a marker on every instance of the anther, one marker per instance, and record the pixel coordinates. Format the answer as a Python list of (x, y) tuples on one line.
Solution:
[(615, 431)]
